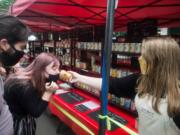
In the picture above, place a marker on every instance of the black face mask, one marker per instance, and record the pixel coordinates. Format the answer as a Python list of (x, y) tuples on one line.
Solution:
[(8, 59), (52, 78)]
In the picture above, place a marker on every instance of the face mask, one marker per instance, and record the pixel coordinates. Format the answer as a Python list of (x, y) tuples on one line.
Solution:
[(11, 59), (52, 78), (143, 65)]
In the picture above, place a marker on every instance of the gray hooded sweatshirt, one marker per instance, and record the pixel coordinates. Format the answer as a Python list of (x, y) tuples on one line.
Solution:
[(6, 121)]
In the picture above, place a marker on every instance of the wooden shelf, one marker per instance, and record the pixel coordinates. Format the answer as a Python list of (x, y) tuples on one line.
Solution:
[(79, 49), (127, 53), (87, 72), (114, 52), (65, 48)]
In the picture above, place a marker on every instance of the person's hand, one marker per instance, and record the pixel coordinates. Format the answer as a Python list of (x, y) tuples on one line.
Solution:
[(51, 86), (75, 77), (65, 76), (2, 71), (46, 96)]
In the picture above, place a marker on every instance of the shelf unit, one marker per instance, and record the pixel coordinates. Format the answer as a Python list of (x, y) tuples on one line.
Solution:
[(126, 50), (122, 66)]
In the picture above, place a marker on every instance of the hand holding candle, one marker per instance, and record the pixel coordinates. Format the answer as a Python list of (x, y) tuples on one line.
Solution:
[(65, 76)]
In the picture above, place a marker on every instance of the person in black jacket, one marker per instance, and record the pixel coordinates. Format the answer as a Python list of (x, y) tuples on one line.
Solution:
[(28, 91), (13, 40)]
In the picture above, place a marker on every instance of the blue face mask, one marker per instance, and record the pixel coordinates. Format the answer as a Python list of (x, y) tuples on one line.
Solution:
[(52, 78)]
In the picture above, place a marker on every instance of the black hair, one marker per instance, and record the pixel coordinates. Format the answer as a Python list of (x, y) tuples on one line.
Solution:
[(13, 30)]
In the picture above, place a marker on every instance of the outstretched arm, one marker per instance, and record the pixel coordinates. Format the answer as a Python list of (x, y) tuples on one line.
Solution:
[(91, 81)]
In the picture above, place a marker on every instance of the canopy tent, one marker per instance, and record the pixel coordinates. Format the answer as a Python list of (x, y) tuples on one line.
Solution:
[(44, 26), (69, 14)]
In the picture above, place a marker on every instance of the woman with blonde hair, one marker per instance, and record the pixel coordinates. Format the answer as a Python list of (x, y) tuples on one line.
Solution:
[(157, 97), (26, 92), (157, 101)]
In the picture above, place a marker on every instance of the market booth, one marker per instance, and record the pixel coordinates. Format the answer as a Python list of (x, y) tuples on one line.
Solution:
[(79, 106)]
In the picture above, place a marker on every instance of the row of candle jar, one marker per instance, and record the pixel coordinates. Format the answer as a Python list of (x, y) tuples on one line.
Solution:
[(87, 88), (119, 47), (66, 59), (121, 59), (127, 47), (122, 102), (113, 72), (118, 73), (80, 64), (49, 44), (89, 45), (63, 43)]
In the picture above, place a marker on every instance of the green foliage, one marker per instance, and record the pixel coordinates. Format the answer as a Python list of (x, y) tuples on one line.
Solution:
[(4, 6)]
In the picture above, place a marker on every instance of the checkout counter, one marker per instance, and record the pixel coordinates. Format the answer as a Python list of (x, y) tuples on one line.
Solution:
[(80, 111)]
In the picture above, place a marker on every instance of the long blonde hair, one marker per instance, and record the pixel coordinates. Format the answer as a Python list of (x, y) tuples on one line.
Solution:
[(162, 55)]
